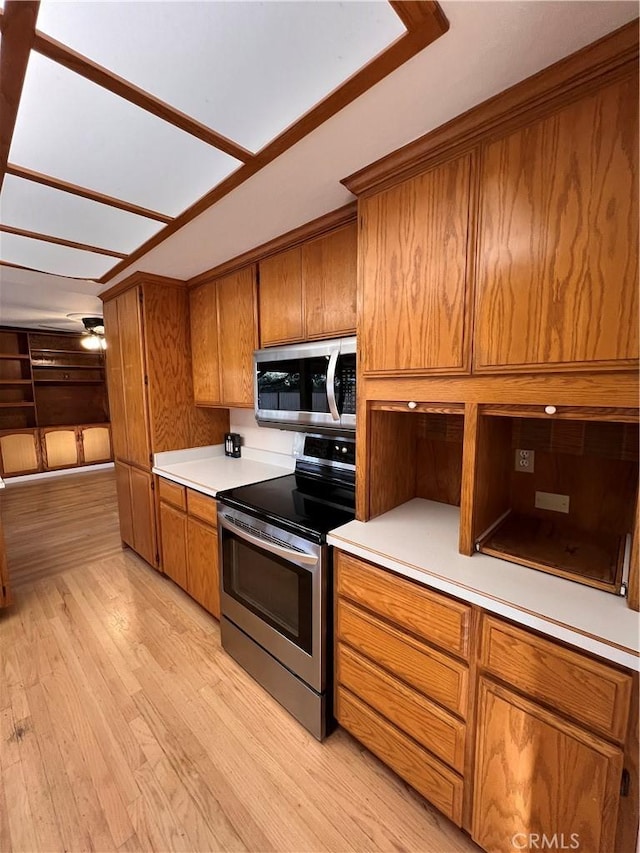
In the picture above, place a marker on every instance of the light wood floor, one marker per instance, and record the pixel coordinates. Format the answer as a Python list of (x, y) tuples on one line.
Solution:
[(124, 726)]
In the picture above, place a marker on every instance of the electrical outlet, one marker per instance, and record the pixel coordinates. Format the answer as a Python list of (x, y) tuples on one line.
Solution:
[(548, 500), (525, 460)]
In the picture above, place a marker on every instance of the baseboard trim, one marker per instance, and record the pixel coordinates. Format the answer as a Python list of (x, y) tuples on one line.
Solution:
[(83, 469)]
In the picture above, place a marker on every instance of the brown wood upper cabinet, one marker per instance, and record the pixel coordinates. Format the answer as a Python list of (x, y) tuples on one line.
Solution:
[(309, 292), (224, 334), (557, 266), (413, 273)]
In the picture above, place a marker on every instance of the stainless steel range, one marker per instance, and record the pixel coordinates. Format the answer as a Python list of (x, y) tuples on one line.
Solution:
[(276, 576)]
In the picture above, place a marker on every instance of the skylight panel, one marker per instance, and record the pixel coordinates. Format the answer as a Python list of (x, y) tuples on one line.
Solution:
[(245, 69), (72, 129), (33, 207), (49, 257)]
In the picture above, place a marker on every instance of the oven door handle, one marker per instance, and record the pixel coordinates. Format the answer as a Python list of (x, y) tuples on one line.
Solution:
[(279, 550), (331, 385)]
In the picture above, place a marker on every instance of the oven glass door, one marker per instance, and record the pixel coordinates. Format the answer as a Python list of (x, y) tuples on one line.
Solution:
[(275, 591)]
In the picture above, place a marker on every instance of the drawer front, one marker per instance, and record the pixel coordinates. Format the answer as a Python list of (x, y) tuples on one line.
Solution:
[(590, 692), (172, 493), (437, 783), (440, 620), (438, 676), (435, 729), (203, 507)]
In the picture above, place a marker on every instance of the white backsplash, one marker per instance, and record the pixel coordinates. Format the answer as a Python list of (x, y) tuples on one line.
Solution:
[(243, 421)]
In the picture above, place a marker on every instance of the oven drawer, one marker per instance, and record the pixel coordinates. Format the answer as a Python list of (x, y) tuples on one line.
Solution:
[(441, 621), (203, 507), (438, 676), (436, 782), (435, 729), (590, 692), (172, 493)]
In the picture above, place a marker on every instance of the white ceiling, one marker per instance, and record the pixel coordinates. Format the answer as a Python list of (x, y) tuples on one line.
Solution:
[(490, 46)]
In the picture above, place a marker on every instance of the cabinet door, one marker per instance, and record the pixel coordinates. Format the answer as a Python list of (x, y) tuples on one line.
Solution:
[(414, 273), (61, 448), (5, 591), (20, 453), (173, 531), (536, 774), (281, 298), (143, 515), (558, 239), (115, 382), (203, 577), (205, 361), (125, 511), (238, 336), (329, 276), (133, 374), (96, 444)]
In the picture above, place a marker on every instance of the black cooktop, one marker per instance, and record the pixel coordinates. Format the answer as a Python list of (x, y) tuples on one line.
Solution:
[(302, 504)]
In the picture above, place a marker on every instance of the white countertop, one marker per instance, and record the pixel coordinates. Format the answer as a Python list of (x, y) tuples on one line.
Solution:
[(208, 470), (420, 540)]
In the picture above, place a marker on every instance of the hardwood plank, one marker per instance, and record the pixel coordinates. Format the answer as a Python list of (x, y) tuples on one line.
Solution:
[(208, 761)]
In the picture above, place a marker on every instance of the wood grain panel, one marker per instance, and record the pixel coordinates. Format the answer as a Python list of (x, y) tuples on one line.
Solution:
[(238, 330), (634, 563), (535, 773), (438, 676), (390, 460), (20, 453), (426, 774), (203, 579), (60, 448), (329, 275), (143, 513), (172, 493), (590, 692), (170, 390), (115, 380), (173, 532), (435, 618), (629, 806), (413, 241), (125, 508), (280, 298), (96, 444), (410, 711), (493, 468), (205, 358), (203, 507), (133, 376), (558, 248)]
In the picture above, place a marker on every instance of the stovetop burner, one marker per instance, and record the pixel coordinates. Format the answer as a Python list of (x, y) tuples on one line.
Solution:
[(317, 498)]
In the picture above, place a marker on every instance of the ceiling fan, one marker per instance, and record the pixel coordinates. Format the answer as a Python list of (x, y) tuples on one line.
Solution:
[(93, 338)]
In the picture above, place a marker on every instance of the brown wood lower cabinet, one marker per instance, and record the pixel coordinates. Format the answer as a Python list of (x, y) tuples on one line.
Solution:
[(189, 537), (136, 510), (521, 741), (538, 775)]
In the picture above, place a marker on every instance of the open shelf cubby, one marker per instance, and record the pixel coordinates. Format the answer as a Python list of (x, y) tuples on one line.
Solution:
[(570, 509)]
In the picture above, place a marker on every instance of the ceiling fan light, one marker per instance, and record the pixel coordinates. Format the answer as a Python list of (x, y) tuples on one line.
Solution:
[(92, 342)]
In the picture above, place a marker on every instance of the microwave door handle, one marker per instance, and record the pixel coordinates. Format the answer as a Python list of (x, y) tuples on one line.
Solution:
[(331, 385), (286, 553)]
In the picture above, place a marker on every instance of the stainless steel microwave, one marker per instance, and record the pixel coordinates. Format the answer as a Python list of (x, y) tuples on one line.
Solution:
[(302, 385)]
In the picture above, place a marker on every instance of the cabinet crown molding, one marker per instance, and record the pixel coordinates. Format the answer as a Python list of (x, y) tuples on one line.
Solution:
[(610, 58), (139, 278)]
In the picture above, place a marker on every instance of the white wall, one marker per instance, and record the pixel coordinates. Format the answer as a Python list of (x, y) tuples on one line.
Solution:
[(260, 438)]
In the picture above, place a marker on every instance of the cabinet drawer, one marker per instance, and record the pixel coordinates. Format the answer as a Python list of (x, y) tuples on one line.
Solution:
[(438, 676), (435, 729), (592, 693), (440, 620), (426, 774), (172, 493), (203, 507)]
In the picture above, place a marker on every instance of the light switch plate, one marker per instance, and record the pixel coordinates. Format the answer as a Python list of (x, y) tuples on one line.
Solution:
[(549, 500)]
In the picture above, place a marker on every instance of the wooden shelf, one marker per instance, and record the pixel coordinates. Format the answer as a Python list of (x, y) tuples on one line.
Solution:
[(14, 356), (556, 546), (86, 352), (15, 382), (37, 366), (16, 405), (68, 381)]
